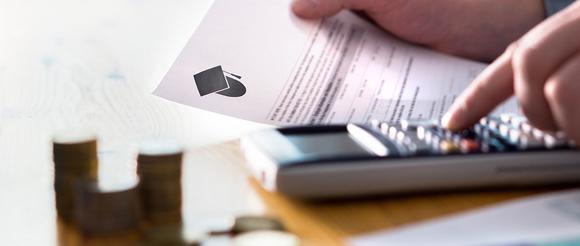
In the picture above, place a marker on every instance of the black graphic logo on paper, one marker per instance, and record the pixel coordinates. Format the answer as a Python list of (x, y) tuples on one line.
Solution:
[(216, 80)]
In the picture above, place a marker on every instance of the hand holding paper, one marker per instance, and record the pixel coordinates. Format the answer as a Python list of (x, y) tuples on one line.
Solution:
[(475, 29), (291, 71)]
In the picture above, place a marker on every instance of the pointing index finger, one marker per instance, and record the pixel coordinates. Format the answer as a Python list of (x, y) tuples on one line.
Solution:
[(493, 86)]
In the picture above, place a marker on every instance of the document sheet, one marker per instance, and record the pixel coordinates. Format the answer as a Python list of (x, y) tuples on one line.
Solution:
[(255, 60), (545, 220)]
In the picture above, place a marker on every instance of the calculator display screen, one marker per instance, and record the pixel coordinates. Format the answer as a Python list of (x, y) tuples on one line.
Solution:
[(323, 145)]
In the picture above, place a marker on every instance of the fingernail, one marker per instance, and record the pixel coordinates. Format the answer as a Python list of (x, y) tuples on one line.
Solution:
[(302, 6)]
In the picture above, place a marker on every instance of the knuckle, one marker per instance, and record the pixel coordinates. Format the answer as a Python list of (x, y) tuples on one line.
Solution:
[(512, 48), (526, 57), (557, 91)]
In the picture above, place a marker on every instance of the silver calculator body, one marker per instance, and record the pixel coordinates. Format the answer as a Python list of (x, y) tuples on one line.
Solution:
[(408, 156)]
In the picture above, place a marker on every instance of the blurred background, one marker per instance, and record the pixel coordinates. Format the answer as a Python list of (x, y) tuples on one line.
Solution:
[(70, 63)]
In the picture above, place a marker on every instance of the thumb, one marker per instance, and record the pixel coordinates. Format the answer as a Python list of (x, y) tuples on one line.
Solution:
[(313, 9)]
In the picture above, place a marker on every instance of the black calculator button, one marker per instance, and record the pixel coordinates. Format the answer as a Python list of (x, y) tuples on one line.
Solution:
[(413, 125)]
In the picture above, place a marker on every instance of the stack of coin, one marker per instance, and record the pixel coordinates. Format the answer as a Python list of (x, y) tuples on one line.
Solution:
[(75, 158), (107, 208), (171, 235), (271, 238), (250, 223), (159, 168), (261, 230)]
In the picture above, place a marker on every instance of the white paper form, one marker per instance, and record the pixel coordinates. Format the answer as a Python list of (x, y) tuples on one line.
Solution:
[(255, 60), (545, 220)]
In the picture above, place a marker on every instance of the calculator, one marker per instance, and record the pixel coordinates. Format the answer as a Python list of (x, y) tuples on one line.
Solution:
[(326, 161)]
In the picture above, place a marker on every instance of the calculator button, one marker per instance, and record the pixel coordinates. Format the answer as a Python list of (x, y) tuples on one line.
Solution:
[(555, 141), (517, 121), (417, 146), (413, 125), (561, 135), (469, 146), (456, 139), (506, 118), (478, 129), (421, 130), (483, 121), (375, 124), (482, 132), (515, 135), (384, 129), (492, 125), (448, 135), (495, 145), (435, 141), (537, 133), (384, 126), (467, 134), (393, 132), (527, 142), (401, 136), (504, 130), (434, 136), (484, 148), (428, 136), (448, 147), (526, 127)]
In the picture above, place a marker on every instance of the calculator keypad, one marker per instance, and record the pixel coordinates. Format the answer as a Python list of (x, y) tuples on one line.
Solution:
[(505, 133)]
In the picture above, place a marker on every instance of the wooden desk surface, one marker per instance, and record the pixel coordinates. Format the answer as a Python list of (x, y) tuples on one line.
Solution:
[(217, 187), (66, 64)]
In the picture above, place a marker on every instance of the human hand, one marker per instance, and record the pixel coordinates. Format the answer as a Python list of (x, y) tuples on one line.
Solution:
[(478, 29), (542, 69)]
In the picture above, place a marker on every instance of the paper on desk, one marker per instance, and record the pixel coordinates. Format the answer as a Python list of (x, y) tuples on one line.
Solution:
[(546, 220), (255, 60)]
